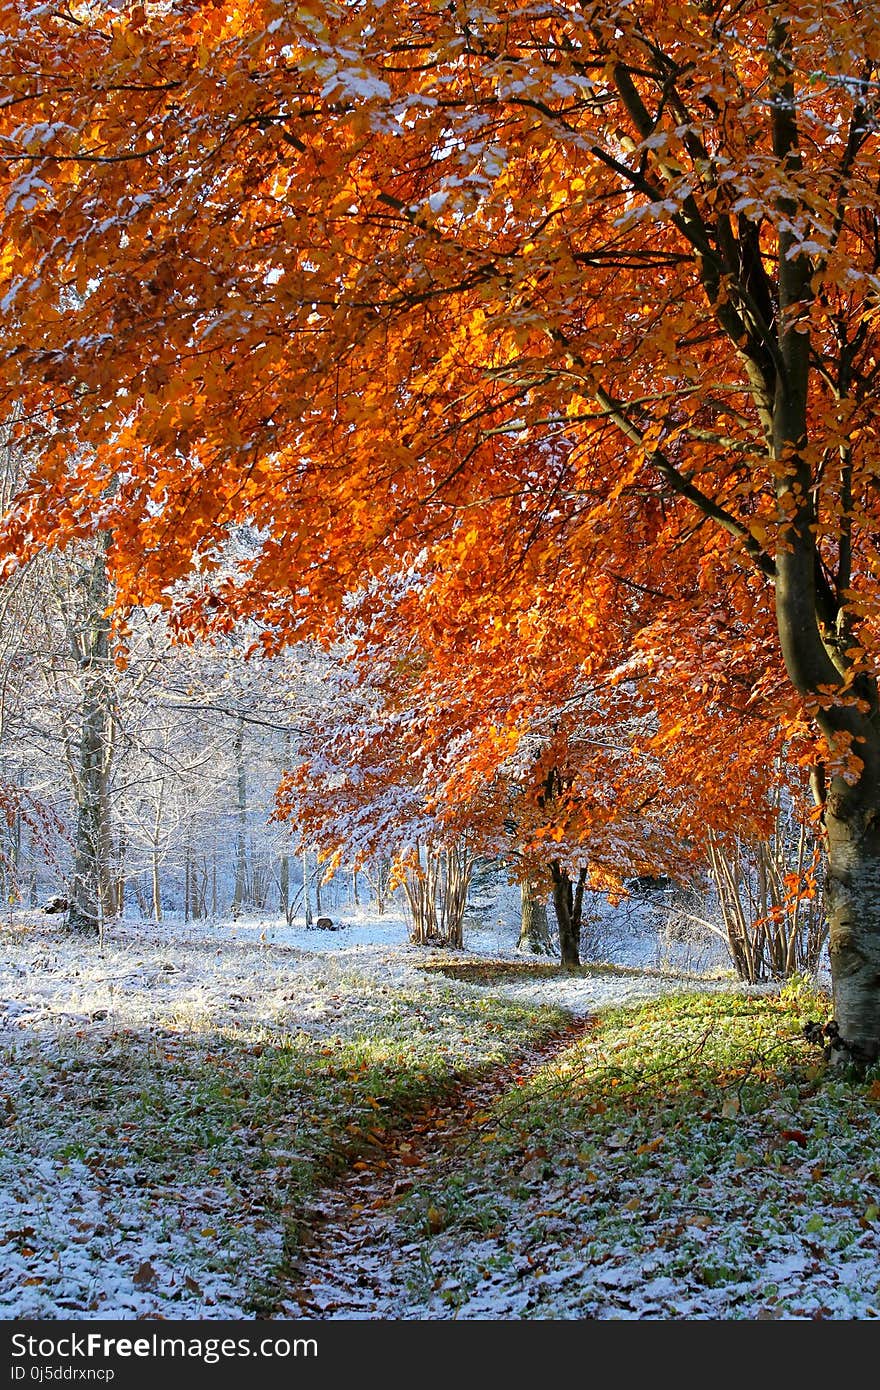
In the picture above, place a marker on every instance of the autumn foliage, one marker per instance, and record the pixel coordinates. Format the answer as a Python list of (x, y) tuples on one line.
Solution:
[(537, 345)]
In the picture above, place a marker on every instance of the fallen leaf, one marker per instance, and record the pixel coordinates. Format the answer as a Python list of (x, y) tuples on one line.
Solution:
[(651, 1147), (794, 1136), (436, 1218), (144, 1276)]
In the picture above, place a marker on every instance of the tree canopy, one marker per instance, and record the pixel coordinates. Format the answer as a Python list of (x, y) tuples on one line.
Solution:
[(557, 323)]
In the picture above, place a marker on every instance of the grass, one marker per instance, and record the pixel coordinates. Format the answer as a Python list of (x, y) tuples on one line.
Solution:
[(694, 1135), (267, 1119), (696, 1139), (491, 972)]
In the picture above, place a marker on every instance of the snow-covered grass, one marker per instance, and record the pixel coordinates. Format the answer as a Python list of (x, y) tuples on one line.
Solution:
[(177, 1102), (171, 1097)]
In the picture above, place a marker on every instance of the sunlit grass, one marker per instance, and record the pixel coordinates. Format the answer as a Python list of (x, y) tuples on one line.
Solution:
[(694, 1133)]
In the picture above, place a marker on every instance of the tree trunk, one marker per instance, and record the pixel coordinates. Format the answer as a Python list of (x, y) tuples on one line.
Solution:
[(307, 907), (90, 633), (240, 892), (816, 629), (200, 901), (156, 886), (140, 896), (568, 901), (421, 888), (852, 895), (156, 854), (284, 885), (379, 884), (187, 882), (457, 867), (117, 906), (534, 930)]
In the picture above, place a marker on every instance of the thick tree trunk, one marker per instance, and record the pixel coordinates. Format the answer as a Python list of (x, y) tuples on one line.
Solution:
[(852, 895), (568, 901), (815, 623), (534, 930), (88, 889)]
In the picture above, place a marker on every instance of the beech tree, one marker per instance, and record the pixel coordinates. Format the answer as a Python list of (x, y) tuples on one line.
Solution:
[(391, 757), (535, 306)]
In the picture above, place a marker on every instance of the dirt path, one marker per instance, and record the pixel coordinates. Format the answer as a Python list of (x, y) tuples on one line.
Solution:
[(352, 1262)]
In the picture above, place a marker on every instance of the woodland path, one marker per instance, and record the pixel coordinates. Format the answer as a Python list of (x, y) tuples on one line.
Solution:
[(352, 1261)]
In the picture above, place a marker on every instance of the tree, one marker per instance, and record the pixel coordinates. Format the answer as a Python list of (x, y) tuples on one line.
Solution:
[(377, 772), (555, 302), (534, 933), (769, 897), (85, 601), (568, 902), (436, 877)]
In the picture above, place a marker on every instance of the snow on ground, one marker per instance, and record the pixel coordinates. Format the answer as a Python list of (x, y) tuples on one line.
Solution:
[(147, 1240), (144, 1241), (71, 1241), (236, 972)]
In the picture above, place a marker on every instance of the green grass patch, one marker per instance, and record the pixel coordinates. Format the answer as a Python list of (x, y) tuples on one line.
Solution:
[(697, 1134)]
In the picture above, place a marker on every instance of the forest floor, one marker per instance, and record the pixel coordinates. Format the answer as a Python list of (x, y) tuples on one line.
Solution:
[(248, 1121)]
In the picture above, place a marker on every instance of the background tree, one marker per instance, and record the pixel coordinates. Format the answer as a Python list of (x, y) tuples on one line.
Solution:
[(82, 591), (534, 932)]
